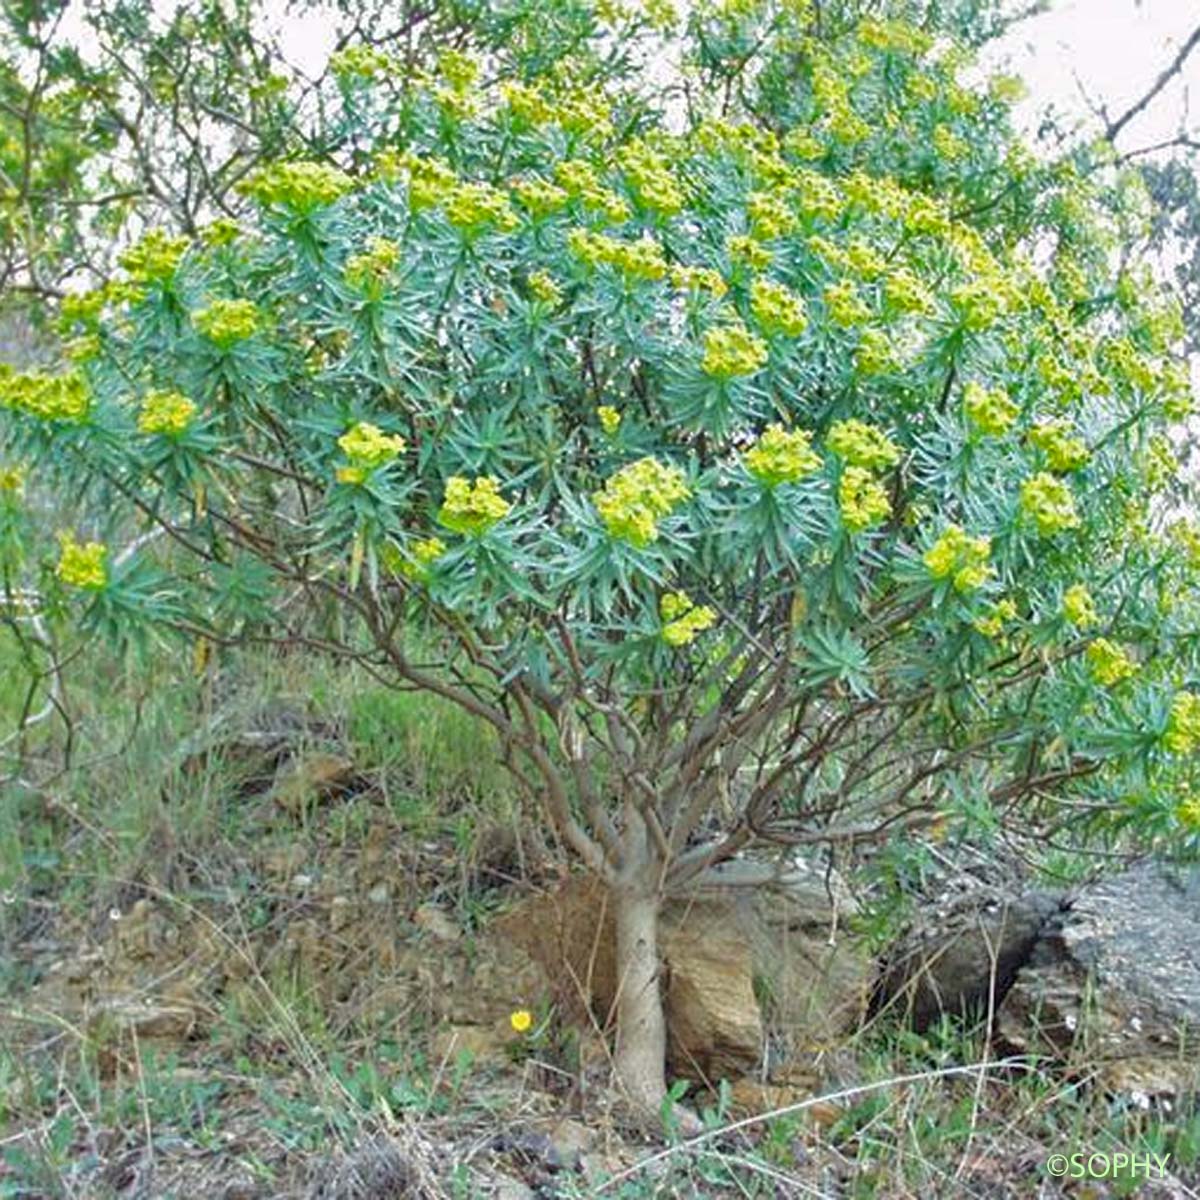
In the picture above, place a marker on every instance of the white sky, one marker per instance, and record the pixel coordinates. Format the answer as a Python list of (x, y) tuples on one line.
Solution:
[(1111, 52)]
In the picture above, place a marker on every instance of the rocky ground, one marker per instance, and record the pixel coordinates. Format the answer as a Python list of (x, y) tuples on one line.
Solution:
[(322, 1008)]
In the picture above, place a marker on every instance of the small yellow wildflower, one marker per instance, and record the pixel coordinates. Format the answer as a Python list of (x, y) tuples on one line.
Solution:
[(610, 419), (82, 565), (1108, 664), (862, 500), (424, 553), (1049, 503), (684, 620), (472, 507), (781, 456), (166, 413), (862, 445), (521, 1020), (1079, 608), (637, 497), (958, 556)]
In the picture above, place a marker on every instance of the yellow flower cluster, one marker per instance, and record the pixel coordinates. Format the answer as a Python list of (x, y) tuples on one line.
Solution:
[(904, 291), (948, 144), (167, 413), (1079, 608), (1063, 452), (846, 307), (581, 181), (781, 456), (478, 206), (302, 186), (683, 618), (896, 37), (458, 70), (1048, 502), (227, 321), (651, 178), (81, 308), (472, 508), (990, 410), (637, 497), (777, 308), (429, 180), (876, 353), (540, 197), (610, 419), (699, 279), (980, 303), (425, 553), (526, 103), (221, 232), (732, 350), (746, 249), (82, 565), (862, 445), (1182, 734), (49, 397), (770, 215), (1108, 664), (958, 556), (1187, 812), (366, 62), (367, 447), (155, 257), (544, 287), (863, 259), (862, 500), (369, 270), (642, 259), (819, 196), (993, 624), (12, 481)]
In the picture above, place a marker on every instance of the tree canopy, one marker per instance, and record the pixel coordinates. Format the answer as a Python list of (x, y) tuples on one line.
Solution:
[(767, 448)]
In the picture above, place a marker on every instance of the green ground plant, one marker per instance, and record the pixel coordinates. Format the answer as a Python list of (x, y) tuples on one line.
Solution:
[(770, 451)]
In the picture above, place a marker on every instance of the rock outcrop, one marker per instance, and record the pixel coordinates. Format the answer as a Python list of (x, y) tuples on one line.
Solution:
[(1113, 983)]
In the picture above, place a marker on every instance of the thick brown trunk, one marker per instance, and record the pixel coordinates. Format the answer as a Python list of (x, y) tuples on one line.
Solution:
[(640, 1059)]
